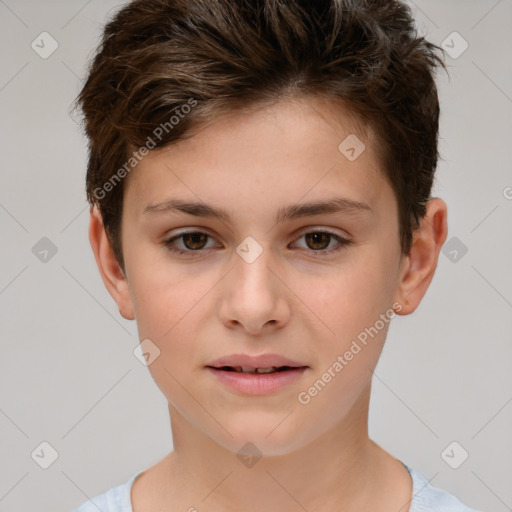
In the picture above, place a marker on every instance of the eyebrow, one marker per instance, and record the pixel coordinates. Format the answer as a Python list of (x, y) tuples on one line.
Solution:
[(294, 211)]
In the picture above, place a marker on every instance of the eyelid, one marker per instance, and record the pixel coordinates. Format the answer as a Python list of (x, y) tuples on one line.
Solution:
[(319, 229)]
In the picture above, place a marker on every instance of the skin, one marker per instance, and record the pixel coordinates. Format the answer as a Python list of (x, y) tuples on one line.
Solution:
[(291, 301)]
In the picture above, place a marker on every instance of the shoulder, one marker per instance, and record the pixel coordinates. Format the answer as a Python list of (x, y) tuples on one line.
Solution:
[(116, 499), (431, 499)]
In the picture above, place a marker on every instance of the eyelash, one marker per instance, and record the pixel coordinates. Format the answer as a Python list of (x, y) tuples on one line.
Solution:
[(343, 242)]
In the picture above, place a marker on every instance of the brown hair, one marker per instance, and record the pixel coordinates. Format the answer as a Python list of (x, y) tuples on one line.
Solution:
[(165, 67)]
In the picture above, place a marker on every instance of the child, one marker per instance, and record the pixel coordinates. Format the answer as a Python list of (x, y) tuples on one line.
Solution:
[(259, 177)]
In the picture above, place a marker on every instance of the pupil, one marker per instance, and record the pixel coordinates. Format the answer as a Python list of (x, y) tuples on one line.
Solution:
[(318, 238), (195, 238)]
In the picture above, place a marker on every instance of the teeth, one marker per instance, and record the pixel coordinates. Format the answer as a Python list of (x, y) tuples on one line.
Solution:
[(266, 370), (245, 369)]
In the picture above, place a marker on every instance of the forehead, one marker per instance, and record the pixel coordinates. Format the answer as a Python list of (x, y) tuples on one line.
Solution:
[(289, 145), (305, 117)]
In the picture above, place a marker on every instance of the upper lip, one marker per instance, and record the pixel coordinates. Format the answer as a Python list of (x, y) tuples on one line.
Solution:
[(261, 361)]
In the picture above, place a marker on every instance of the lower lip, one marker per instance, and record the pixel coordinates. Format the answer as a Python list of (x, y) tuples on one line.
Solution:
[(257, 383)]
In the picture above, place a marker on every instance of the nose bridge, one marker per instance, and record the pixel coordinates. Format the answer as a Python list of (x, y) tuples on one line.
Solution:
[(252, 261)]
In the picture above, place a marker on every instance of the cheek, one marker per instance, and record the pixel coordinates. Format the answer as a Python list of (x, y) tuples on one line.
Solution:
[(161, 293), (350, 304), (350, 296), (171, 309)]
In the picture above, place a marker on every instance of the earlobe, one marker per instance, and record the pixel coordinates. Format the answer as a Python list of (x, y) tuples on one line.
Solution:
[(110, 271), (421, 262)]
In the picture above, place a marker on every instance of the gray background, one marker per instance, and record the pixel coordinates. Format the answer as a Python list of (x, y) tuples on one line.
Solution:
[(68, 375)]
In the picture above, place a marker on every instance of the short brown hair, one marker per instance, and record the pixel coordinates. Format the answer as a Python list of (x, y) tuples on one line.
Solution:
[(199, 59)]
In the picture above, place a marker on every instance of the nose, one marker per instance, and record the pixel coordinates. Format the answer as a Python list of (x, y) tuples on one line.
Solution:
[(254, 298)]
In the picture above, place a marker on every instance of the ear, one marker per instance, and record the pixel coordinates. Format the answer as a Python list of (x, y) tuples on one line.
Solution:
[(419, 265), (111, 273)]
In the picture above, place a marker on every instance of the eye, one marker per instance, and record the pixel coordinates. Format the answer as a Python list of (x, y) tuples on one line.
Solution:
[(192, 241), (319, 241)]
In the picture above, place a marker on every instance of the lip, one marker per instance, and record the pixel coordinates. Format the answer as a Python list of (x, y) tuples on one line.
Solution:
[(256, 384), (259, 361)]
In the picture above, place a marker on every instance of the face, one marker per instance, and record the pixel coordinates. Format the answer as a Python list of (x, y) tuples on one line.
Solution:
[(301, 260)]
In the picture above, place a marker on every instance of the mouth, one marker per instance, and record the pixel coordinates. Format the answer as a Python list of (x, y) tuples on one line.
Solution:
[(246, 369), (256, 377)]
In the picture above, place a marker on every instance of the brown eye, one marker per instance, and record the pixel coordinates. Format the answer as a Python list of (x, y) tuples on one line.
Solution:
[(191, 243), (318, 241), (195, 241), (322, 243)]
